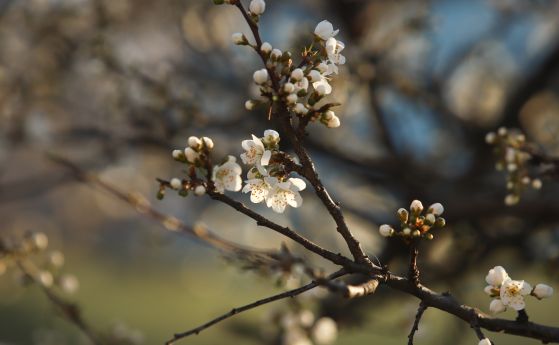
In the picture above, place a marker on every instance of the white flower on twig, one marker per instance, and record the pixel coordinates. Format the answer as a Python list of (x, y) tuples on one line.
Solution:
[(325, 30), (256, 154), (333, 50), (285, 193), (513, 292), (227, 176)]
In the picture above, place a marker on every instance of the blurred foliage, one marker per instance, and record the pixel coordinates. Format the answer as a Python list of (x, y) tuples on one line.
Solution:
[(116, 84)]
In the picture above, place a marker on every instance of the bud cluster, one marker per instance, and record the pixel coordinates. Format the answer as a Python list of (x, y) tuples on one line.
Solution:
[(34, 246), (415, 224), (513, 157), (510, 293), (302, 88)]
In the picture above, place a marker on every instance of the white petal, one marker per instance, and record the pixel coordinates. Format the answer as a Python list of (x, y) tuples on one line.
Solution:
[(298, 183), (265, 160)]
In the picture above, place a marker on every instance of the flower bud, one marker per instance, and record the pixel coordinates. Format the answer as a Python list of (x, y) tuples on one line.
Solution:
[(437, 209), (300, 109), (266, 48), (403, 214), (176, 183), (490, 138), (429, 236), (406, 231), (314, 75), (177, 154), (288, 87), (260, 76), (496, 306), (194, 142), (250, 104), (484, 341), (386, 230), (511, 199), (208, 143), (297, 74), (542, 291), (69, 283), (430, 219), (40, 241), (440, 222), (276, 54), (271, 137), (416, 207), (416, 233), (239, 39), (199, 190), (191, 155), (325, 331), (502, 131), (334, 122), (45, 278), (257, 7), (292, 98), (56, 259), (537, 183)]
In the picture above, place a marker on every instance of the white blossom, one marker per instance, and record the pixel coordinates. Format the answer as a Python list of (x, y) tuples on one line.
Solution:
[(259, 188), (537, 183), (45, 278), (322, 67), (333, 122), (191, 155), (176, 183), (496, 276), (69, 283), (285, 193), (266, 47), (542, 291), (325, 30), (40, 240), (322, 87), (256, 154), (484, 341), (227, 176), (325, 331), (194, 142), (208, 143), (513, 292), (333, 49), (496, 306), (257, 7), (238, 38), (437, 209), (297, 74), (314, 75), (260, 76), (386, 230)]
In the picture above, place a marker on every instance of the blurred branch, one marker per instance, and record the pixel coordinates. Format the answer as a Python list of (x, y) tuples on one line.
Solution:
[(235, 311)]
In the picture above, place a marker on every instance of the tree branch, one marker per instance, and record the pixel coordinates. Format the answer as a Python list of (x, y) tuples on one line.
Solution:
[(420, 310), (235, 311)]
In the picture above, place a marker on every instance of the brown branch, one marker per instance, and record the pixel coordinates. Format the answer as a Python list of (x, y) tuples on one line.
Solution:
[(235, 311), (420, 310), (284, 230), (413, 270)]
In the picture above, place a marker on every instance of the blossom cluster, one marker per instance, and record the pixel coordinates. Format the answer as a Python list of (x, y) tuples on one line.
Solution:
[(34, 245), (267, 178), (413, 224), (511, 150), (510, 293), (303, 88)]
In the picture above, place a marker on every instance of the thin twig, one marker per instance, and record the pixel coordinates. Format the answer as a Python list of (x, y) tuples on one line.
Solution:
[(420, 310), (235, 311)]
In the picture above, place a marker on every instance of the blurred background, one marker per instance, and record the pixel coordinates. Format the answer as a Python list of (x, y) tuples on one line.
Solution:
[(115, 85)]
